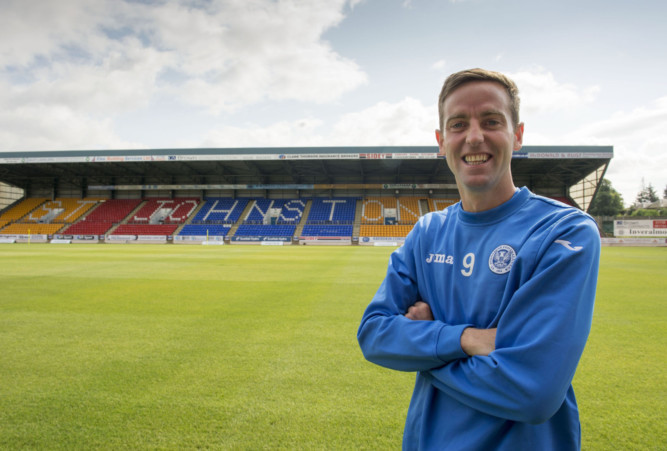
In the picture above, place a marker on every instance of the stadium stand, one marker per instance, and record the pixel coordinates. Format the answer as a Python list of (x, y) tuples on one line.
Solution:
[(266, 230), (338, 210), (31, 229), (440, 204), (331, 217), (382, 217), (400, 182), (158, 217), (409, 210), (19, 210), (392, 231), (39, 216), (373, 208), (275, 211), (165, 211), (104, 217), (61, 210), (204, 230), (220, 210), (272, 218), (391, 217), (146, 229), (404, 210), (215, 217)]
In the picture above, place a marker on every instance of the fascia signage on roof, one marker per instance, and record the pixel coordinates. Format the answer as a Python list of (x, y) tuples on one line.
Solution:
[(219, 157), (319, 156), (284, 156), (569, 155)]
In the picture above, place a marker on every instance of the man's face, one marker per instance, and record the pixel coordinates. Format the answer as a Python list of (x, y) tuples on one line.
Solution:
[(478, 139)]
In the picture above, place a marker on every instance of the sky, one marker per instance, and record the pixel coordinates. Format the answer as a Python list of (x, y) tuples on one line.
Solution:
[(149, 74)]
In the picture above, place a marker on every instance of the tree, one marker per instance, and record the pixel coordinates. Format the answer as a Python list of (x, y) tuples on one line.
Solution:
[(646, 195), (607, 201), (664, 193)]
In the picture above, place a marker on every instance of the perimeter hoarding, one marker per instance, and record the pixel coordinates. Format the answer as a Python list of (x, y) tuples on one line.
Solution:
[(656, 228)]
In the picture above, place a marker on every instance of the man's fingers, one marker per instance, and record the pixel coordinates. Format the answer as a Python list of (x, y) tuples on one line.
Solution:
[(419, 311)]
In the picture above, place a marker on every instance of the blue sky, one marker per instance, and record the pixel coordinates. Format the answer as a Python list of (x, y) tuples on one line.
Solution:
[(115, 74)]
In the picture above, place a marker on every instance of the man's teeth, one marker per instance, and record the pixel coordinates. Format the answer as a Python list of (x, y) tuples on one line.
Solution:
[(476, 159)]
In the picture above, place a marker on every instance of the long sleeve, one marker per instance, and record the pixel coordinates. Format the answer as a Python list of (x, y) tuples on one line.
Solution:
[(542, 330), (388, 338)]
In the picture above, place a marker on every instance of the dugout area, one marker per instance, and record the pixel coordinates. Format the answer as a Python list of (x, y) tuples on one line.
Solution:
[(335, 195)]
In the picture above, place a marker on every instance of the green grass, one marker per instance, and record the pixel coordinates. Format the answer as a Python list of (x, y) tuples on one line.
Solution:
[(621, 382), (253, 347)]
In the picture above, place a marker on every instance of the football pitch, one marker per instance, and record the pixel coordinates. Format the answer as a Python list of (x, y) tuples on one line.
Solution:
[(254, 347)]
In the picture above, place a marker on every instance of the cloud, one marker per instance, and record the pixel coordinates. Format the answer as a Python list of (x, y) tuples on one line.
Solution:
[(404, 123), (85, 62), (30, 32), (233, 54), (49, 127), (639, 138), (439, 65), (122, 80), (541, 92), (298, 133)]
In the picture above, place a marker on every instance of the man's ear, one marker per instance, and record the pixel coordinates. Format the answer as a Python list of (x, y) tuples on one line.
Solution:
[(518, 137), (438, 138)]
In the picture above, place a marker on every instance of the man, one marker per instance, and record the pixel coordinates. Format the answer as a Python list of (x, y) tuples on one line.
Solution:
[(490, 301)]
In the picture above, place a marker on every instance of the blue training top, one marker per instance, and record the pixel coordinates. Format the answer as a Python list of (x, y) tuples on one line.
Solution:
[(528, 267)]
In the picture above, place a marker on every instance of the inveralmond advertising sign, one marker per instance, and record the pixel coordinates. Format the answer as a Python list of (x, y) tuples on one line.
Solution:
[(640, 228)]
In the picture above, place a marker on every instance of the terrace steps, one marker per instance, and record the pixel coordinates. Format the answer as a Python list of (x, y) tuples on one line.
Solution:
[(244, 213), (357, 218), (304, 218)]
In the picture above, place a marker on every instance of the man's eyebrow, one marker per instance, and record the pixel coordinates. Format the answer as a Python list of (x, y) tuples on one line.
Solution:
[(492, 113), (456, 116), (486, 113)]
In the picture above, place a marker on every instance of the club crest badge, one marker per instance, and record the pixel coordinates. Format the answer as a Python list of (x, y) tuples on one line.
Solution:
[(501, 259)]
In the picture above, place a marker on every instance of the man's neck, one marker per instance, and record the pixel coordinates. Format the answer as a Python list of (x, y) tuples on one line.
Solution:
[(478, 202)]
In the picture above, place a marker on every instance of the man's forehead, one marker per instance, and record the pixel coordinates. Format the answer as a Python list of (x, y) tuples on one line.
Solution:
[(485, 97)]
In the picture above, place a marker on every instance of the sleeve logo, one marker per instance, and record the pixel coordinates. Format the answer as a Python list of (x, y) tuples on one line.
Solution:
[(501, 259), (567, 245)]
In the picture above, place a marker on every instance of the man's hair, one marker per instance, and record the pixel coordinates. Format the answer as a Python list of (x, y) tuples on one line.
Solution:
[(458, 79)]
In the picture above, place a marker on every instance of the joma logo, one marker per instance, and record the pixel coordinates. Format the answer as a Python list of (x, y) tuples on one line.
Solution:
[(440, 258)]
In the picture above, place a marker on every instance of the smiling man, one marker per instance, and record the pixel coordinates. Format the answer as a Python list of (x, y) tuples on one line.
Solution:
[(489, 301)]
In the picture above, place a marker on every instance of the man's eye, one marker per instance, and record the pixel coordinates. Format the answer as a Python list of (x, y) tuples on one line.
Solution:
[(457, 125)]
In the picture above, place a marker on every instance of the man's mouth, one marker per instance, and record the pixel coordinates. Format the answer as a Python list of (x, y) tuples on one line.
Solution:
[(476, 159)]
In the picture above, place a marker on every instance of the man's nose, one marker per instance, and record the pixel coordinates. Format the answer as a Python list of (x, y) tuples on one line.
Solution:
[(475, 134)]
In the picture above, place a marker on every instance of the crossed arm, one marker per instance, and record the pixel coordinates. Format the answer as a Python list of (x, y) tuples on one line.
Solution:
[(473, 341)]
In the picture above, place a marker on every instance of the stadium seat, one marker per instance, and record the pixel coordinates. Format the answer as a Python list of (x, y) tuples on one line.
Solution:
[(61, 210), (220, 210), (204, 230), (266, 230), (104, 217), (390, 231), (440, 204), (165, 211), (407, 210), (337, 210), (21, 209)]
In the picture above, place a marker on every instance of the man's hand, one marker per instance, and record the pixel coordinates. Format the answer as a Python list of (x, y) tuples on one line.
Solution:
[(419, 311), (478, 341)]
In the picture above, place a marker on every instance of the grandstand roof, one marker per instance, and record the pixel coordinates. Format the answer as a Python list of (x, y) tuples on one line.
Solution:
[(533, 166)]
